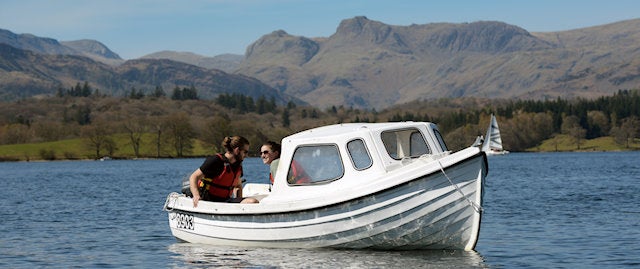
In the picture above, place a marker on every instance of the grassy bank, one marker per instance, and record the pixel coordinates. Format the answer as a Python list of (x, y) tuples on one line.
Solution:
[(77, 149), (566, 143)]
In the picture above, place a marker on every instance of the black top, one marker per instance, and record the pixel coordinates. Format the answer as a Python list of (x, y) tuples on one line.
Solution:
[(214, 165)]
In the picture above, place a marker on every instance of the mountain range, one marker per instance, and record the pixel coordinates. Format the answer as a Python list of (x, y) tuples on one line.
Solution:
[(364, 64)]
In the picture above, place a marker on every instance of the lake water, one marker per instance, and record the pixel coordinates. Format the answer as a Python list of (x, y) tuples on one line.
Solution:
[(541, 210)]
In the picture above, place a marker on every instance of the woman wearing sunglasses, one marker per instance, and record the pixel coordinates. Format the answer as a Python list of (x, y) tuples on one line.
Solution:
[(270, 154)]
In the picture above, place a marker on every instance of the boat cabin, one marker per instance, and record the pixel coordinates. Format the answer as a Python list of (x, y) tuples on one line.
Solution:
[(352, 153)]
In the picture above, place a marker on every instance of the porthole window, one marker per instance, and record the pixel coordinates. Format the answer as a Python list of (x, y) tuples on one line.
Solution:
[(359, 155)]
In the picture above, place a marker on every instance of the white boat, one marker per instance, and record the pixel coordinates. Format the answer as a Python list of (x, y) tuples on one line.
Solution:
[(369, 185), (493, 142)]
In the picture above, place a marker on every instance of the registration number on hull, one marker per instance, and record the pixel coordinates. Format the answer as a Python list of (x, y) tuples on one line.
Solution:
[(184, 221)]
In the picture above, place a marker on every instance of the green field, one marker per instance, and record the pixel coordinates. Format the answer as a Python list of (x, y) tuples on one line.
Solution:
[(77, 149), (566, 143)]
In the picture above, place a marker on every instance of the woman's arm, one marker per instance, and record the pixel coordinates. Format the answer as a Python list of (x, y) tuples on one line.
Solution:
[(193, 185)]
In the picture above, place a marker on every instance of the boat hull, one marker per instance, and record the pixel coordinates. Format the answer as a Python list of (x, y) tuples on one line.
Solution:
[(440, 209)]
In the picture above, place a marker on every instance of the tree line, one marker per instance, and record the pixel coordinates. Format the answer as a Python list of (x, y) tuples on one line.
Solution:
[(526, 123), (171, 126), (85, 90)]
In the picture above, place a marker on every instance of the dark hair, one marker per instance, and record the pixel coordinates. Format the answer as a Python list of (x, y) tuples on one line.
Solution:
[(231, 142), (274, 146)]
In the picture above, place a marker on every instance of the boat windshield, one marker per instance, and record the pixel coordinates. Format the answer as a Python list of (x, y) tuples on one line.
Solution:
[(313, 164), (406, 143)]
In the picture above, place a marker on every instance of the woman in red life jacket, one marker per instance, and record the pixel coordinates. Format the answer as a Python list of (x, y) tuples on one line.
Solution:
[(270, 154), (220, 175), (297, 175)]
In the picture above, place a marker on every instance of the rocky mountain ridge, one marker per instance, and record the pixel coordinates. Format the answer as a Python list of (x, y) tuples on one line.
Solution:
[(369, 64), (225, 62)]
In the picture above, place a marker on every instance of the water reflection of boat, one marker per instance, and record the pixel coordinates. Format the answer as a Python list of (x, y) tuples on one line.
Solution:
[(378, 186), (208, 256)]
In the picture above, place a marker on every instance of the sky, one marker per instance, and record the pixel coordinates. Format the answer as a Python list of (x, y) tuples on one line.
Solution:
[(134, 28)]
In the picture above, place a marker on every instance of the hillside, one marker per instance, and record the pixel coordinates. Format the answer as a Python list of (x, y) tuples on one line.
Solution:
[(364, 64), (94, 50), (42, 45), (25, 73), (211, 82), (224, 62), (369, 64)]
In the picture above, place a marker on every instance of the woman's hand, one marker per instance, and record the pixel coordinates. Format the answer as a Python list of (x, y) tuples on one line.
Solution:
[(196, 198)]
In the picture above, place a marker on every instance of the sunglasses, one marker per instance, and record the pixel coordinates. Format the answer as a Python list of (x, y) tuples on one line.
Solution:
[(265, 152)]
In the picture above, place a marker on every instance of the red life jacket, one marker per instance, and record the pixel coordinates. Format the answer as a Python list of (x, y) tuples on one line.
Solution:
[(297, 175), (221, 187)]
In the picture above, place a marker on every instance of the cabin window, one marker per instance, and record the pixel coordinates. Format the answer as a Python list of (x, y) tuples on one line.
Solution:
[(440, 140), (389, 140), (406, 143), (418, 145), (313, 164), (359, 155)]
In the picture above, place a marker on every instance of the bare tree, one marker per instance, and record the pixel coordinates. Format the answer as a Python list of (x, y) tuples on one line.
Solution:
[(98, 137), (571, 126), (157, 126), (555, 141), (136, 127), (15, 133), (215, 130), (181, 133), (627, 131), (44, 130)]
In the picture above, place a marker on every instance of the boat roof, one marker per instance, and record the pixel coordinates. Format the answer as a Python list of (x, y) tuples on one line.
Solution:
[(351, 129)]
